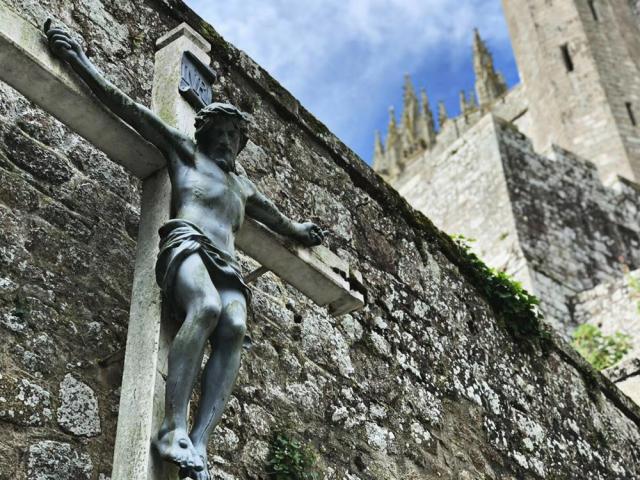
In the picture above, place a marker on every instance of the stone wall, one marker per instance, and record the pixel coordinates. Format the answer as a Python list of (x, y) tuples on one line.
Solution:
[(425, 382), (614, 307), (464, 191), (549, 222), (68, 230), (574, 232)]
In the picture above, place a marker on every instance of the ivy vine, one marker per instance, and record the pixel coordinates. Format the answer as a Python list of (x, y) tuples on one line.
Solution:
[(601, 351), (518, 310)]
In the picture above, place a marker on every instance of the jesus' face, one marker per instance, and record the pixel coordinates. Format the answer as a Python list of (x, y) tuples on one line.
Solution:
[(221, 141)]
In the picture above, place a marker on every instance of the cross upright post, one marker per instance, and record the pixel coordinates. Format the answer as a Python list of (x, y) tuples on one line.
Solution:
[(149, 335)]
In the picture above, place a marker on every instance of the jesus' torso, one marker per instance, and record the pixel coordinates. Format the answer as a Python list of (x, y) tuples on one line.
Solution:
[(203, 193)]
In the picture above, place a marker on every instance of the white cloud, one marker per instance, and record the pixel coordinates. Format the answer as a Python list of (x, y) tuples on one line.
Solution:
[(342, 57)]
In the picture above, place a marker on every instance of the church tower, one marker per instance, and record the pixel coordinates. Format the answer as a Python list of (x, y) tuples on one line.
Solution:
[(580, 63)]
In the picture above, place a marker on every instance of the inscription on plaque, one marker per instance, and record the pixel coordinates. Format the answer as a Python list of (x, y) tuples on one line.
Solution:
[(195, 82)]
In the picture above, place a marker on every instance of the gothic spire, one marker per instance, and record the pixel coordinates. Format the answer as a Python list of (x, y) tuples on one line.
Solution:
[(467, 102), (392, 129), (463, 102), (442, 114), (378, 154), (410, 115), (473, 101), (489, 83), (393, 154), (426, 125)]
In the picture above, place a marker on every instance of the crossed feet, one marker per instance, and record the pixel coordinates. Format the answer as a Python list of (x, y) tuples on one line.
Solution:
[(176, 447), (201, 452)]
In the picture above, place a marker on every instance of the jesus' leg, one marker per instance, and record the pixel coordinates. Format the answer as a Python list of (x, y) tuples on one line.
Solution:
[(196, 296), (221, 370)]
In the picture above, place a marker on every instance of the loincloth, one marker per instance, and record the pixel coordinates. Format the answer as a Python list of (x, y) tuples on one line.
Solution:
[(180, 239)]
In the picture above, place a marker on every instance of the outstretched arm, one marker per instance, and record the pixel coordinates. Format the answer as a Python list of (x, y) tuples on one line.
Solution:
[(262, 209), (143, 120)]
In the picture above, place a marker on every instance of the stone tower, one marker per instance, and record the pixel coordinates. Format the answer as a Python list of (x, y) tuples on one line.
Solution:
[(580, 63), (516, 169)]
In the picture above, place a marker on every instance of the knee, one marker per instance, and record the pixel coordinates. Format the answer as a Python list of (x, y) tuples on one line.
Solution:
[(233, 322), (206, 313)]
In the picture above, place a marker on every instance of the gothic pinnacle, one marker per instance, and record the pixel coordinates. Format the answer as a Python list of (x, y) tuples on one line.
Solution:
[(379, 158), (392, 129), (442, 113), (427, 125), (392, 118), (489, 83), (463, 102), (378, 146), (410, 114)]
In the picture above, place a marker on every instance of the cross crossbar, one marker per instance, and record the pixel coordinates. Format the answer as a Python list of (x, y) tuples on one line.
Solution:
[(27, 66)]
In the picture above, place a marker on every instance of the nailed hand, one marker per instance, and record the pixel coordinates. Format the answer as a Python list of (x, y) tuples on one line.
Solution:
[(309, 234), (61, 44)]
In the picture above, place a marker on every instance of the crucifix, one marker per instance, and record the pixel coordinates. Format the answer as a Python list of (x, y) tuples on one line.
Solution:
[(196, 268)]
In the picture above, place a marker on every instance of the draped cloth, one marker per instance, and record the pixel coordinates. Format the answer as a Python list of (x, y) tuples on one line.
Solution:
[(180, 239)]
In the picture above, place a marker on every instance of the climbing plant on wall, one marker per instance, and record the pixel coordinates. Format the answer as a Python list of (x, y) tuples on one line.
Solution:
[(634, 288), (517, 309), (290, 459), (601, 351)]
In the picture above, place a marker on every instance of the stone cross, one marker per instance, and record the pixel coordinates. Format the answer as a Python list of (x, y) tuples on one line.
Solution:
[(26, 65)]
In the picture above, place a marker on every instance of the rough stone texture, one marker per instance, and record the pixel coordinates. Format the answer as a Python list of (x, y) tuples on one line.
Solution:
[(24, 403), (464, 191), (626, 376), (68, 219), (574, 232), (425, 382), (78, 411), (615, 308), (50, 460)]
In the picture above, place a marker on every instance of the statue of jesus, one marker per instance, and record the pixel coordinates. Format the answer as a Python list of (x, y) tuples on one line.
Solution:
[(197, 268)]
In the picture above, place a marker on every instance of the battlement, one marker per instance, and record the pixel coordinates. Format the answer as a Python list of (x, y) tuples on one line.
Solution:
[(548, 220)]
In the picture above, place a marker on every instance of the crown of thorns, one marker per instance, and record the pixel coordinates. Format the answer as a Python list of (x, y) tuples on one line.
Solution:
[(206, 114)]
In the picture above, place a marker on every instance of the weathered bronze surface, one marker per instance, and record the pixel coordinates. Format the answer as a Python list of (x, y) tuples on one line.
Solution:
[(197, 267)]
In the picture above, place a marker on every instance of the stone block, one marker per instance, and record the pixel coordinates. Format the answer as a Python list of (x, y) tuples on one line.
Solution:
[(78, 412), (52, 460)]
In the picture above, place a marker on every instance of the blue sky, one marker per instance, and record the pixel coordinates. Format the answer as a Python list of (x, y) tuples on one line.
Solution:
[(345, 60)]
